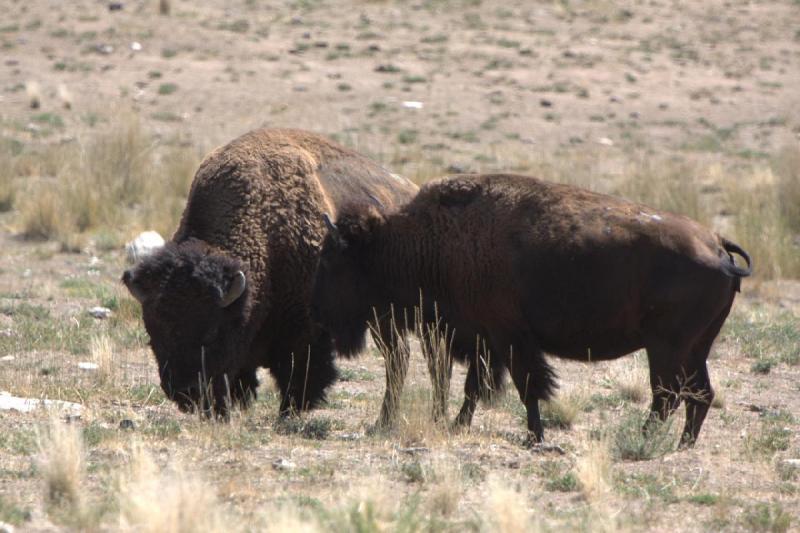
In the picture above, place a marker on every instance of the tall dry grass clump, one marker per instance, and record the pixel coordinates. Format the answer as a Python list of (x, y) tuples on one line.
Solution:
[(667, 185), (61, 464), (394, 348), (101, 350), (118, 181), (632, 380), (506, 509), (436, 341), (764, 209), (593, 470), (8, 189), (170, 501)]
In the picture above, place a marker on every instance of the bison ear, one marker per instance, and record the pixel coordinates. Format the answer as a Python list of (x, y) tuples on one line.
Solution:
[(236, 287), (133, 285), (359, 228)]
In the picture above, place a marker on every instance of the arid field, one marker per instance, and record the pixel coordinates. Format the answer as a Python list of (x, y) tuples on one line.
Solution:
[(693, 107)]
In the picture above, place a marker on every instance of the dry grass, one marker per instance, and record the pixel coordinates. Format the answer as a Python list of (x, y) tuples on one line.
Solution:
[(632, 381), (506, 509), (101, 350), (766, 216), (62, 466), (118, 181), (593, 470), (170, 501), (673, 186)]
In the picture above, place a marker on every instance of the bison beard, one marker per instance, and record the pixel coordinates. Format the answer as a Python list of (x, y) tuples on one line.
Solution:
[(532, 267), (231, 291)]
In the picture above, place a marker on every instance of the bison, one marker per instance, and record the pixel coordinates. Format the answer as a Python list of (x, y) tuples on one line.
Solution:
[(231, 291), (532, 267)]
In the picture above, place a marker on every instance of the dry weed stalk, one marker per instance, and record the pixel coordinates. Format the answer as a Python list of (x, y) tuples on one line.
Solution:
[(395, 350), (593, 470), (101, 350), (437, 341), (61, 463), (34, 93)]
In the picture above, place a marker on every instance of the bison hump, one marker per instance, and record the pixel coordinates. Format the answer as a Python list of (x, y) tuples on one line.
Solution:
[(455, 191)]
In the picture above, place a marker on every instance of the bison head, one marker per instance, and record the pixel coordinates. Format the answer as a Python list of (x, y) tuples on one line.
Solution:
[(193, 305), (343, 294)]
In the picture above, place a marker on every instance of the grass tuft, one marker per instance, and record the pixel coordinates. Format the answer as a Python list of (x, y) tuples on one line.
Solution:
[(630, 443)]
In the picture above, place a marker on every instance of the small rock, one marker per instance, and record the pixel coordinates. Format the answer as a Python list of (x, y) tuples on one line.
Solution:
[(663, 105), (104, 49), (614, 99), (26, 405), (411, 450), (136, 46), (7, 358), (633, 114), (127, 424), (544, 102), (6, 528), (283, 464), (410, 104), (605, 141), (456, 168), (146, 243), (86, 365), (100, 312), (115, 6)]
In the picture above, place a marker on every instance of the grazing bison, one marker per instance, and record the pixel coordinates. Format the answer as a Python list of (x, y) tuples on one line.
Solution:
[(231, 291), (531, 267)]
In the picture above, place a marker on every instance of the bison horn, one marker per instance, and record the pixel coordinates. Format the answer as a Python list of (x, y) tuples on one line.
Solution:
[(236, 289), (329, 223)]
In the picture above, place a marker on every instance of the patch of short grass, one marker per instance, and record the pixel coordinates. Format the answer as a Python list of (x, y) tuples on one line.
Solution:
[(766, 517), (12, 513), (630, 443), (765, 336), (167, 88)]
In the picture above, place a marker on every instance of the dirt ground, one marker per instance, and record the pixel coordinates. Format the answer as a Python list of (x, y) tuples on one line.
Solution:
[(425, 87)]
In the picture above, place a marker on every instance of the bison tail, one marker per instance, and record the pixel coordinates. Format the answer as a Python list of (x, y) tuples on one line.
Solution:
[(732, 268)]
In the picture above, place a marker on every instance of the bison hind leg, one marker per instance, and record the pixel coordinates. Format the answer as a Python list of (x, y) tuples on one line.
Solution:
[(535, 380), (701, 393)]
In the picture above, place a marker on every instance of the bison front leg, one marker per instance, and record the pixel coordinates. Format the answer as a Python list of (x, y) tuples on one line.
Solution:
[(243, 388), (435, 346), (395, 358), (471, 396), (304, 375)]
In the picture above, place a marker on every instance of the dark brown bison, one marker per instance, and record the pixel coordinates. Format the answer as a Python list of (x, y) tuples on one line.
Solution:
[(531, 267), (231, 291)]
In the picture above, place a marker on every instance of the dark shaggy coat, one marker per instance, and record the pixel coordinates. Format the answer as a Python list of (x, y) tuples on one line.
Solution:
[(230, 292), (528, 267)]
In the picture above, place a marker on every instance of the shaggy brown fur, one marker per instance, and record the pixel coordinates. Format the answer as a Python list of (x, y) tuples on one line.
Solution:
[(255, 207), (530, 267)]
